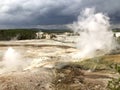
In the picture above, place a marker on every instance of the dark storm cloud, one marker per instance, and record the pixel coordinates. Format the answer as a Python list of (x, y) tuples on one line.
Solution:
[(109, 7), (36, 12)]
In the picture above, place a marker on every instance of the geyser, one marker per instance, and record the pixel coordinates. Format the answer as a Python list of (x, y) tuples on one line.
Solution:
[(11, 60), (95, 33)]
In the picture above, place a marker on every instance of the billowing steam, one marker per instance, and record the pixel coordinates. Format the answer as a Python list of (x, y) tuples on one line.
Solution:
[(95, 34), (12, 61)]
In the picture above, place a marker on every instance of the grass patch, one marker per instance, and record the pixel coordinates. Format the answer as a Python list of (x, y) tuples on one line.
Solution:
[(97, 64)]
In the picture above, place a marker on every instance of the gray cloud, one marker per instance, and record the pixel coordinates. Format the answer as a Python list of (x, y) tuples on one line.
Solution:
[(42, 12)]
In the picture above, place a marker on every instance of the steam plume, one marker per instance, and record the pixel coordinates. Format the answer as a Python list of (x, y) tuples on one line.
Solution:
[(12, 61), (95, 33)]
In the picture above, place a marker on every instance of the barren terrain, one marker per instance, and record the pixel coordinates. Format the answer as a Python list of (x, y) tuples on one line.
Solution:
[(49, 65)]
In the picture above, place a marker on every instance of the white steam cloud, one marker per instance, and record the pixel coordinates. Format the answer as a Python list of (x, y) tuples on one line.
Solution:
[(12, 61), (95, 34)]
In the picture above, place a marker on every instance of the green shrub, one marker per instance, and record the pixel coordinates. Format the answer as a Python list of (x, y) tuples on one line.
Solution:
[(114, 84)]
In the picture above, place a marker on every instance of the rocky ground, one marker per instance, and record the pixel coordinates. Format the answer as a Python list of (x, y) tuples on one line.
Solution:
[(51, 67)]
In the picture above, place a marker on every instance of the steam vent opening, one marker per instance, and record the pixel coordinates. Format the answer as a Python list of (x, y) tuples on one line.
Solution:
[(85, 56)]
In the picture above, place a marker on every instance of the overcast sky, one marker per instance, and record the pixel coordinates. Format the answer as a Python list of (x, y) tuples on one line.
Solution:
[(28, 13)]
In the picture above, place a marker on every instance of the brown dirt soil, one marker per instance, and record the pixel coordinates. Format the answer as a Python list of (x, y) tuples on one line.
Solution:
[(67, 78), (73, 78), (36, 80), (113, 58)]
